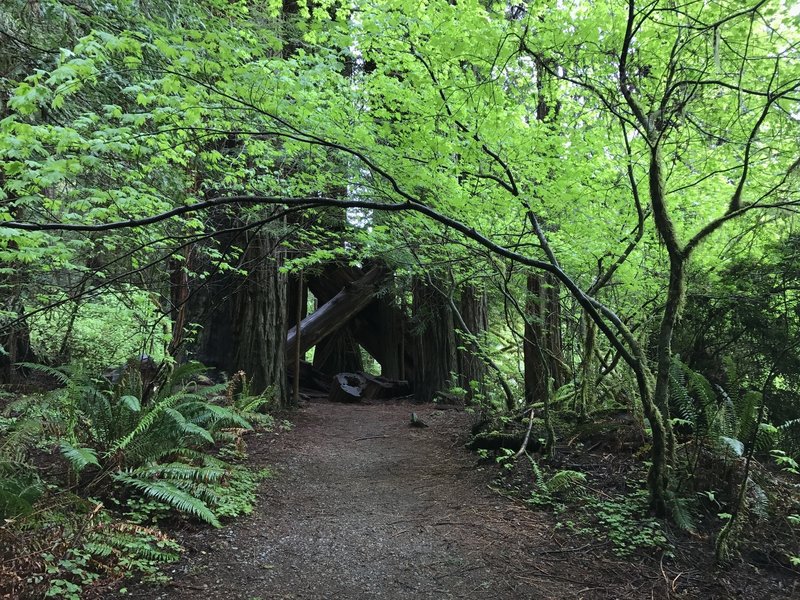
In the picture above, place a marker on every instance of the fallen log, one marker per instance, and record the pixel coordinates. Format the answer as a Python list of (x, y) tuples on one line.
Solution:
[(347, 387), (497, 440), (380, 388), (335, 313), (310, 378), (354, 387)]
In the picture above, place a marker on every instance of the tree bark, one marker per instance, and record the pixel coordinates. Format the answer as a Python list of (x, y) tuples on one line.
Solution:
[(335, 313), (473, 307), (338, 353), (260, 317), (435, 343), (542, 348)]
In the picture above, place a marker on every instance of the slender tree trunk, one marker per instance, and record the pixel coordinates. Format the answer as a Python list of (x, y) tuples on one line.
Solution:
[(473, 308), (586, 392), (675, 294), (657, 410), (297, 354), (179, 300)]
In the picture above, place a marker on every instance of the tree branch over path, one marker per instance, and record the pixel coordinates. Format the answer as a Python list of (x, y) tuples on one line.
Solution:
[(587, 303)]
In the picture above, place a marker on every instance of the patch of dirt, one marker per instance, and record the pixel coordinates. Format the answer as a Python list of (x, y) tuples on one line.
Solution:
[(364, 506)]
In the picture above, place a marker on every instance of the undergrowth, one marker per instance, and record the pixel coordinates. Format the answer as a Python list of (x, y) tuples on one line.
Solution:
[(91, 472), (595, 486), (622, 519)]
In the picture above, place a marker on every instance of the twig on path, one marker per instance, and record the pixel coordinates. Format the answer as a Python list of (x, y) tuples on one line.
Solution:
[(578, 549), (527, 437), (370, 437), (546, 575), (459, 571)]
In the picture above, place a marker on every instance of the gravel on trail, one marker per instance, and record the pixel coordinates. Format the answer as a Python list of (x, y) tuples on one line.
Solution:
[(363, 505)]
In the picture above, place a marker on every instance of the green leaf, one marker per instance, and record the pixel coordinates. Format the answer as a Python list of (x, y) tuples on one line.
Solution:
[(131, 403), (79, 457)]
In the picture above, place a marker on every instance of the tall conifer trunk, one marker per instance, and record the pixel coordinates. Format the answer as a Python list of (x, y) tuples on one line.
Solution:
[(259, 317), (542, 348), (435, 344), (473, 307)]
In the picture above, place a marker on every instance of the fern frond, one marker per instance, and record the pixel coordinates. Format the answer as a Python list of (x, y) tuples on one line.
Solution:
[(254, 404), (702, 388), (746, 414), (202, 491), (184, 372), (188, 427), (20, 488), (58, 373), (225, 417), (79, 458), (178, 470), (680, 399), (145, 422), (196, 456), (169, 493), (565, 393), (682, 515), (18, 437), (566, 481), (96, 407), (767, 437)]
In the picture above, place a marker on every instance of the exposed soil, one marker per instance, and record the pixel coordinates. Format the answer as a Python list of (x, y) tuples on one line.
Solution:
[(364, 506)]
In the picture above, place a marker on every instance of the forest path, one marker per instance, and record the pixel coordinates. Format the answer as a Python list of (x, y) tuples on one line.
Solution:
[(364, 506)]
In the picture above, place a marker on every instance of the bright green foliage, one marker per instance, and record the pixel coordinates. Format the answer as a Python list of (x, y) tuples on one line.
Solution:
[(623, 520), (100, 333), (148, 458), (644, 153)]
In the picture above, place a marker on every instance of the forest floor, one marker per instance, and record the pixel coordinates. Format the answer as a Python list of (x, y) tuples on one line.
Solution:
[(361, 505)]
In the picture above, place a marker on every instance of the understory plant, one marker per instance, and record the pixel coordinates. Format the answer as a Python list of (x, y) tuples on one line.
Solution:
[(137, 453), (623, 519)]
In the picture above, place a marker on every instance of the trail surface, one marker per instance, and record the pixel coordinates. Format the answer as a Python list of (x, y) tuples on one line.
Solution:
[(364, 506)]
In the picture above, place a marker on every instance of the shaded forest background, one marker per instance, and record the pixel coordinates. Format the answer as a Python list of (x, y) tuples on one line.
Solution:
[(575, 220)]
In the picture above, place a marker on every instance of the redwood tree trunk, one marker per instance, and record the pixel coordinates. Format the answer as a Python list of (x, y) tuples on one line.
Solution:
[(543, 355), (435, 343), (473, 307), (259, 331)]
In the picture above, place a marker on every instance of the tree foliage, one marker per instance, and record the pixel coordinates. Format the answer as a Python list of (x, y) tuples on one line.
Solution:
[(641, 153)]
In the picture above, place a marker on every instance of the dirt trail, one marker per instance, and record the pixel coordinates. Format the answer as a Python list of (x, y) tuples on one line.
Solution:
[(364, 506)]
